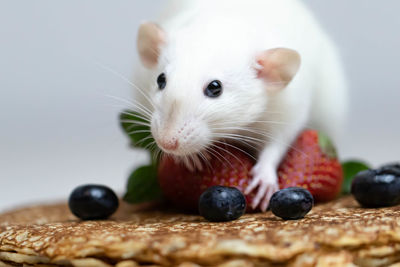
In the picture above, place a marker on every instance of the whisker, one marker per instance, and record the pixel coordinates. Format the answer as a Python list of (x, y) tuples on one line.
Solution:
[(159, 153), (188, 164), (251, 130), (135, 104), (247, 139), (127, 81), (144, 119), (139, 115), (230, 153), (237, 148), (264, 134), (218, 155), (197, 162), (246, 143), (136, 122), (256, 121), (144, 139), (133, 125), (205, 160), (239, 136), (139, 131), (149, 145), (233, 136)]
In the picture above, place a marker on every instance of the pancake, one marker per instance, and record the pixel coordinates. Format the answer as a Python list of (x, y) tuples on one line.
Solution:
[(338, 233)]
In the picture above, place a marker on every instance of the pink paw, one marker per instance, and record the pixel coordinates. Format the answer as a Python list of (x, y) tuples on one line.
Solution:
[(266, 184)]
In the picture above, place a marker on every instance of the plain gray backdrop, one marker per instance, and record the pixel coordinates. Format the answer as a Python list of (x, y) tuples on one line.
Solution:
[(58, 125)]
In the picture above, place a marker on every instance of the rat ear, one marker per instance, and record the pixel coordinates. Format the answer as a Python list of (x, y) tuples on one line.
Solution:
[(150, 38), (277, 67)]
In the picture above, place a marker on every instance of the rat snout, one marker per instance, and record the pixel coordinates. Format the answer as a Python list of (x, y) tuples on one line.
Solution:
[(171, 140), (169, 144), (179, 133), (166, 136), (180, 139)]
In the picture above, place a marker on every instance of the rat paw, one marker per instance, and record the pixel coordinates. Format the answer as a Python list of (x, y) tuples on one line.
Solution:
[(266, 185)]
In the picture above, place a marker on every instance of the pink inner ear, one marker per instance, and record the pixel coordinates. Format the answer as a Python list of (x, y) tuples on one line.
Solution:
[(277, 67), (260, 70), (268, 71), (150, 39)]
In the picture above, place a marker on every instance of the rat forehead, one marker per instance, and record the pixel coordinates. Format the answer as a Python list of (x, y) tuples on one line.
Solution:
[(204, 69), (206, 57), (214, 36)]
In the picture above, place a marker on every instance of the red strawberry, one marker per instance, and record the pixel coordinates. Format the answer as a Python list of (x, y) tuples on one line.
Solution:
[(312, 163), (229, 167)]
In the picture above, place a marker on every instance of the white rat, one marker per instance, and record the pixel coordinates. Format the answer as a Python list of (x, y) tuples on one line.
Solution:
[(254, 71)]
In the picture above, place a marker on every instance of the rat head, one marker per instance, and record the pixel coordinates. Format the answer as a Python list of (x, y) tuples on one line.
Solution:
[(203, 93)]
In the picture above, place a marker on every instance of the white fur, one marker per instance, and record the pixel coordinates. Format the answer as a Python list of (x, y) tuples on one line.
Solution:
[(219, 40)]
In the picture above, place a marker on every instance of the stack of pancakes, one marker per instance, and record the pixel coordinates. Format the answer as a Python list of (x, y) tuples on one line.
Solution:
[(338, 233)]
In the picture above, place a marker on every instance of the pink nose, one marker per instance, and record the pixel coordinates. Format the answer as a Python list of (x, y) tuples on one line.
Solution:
[(169, 144)]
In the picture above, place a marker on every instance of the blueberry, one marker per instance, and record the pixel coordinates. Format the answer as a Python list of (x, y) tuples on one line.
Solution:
[(393, 168), (221, 204), (93, 202), (377, 188), (291, 203)]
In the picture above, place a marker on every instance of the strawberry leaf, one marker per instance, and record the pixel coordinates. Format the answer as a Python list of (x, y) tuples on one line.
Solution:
[(143, 185), (350, 169), (136, 127), (326, 146)]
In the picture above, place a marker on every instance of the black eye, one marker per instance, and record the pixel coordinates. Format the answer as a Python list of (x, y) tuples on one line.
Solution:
[(214, 89), (161, 81)]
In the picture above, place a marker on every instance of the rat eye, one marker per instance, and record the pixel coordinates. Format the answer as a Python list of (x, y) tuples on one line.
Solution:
[(214, 89), (161, 81)]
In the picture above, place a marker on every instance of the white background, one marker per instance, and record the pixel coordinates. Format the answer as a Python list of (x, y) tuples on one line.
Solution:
[(58, 129)]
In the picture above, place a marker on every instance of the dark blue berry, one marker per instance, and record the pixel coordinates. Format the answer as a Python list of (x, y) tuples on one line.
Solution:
[(393, 168), (377, 188), (292, 203), (93, 202), (221, 204)]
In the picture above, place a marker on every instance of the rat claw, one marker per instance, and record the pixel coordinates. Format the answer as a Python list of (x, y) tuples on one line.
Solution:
[(265, 202), (254, 170), (260, 194), (266, 185), (254, 183)]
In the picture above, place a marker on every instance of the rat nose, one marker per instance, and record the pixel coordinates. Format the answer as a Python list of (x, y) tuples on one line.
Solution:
[(171, 144)]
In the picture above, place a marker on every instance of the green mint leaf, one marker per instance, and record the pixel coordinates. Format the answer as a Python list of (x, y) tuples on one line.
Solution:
[(326, 145), (143, 185), (136, 127), (350, 169)]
